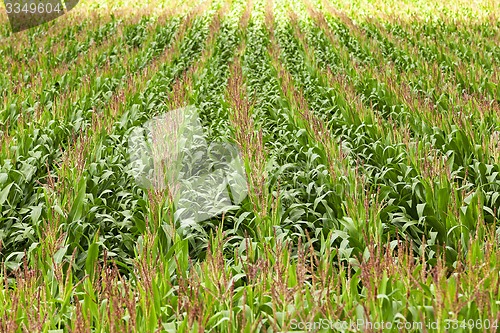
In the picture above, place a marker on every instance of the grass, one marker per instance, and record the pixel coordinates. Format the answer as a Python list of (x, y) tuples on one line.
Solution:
[(369, 139)]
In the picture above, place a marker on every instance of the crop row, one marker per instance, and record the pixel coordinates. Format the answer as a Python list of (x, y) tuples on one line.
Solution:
[(38, 149)]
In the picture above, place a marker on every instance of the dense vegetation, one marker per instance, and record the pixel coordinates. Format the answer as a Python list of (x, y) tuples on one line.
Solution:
[(369, 136)]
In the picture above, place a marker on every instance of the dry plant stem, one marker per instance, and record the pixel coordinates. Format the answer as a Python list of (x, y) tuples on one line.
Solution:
[(247, 136)]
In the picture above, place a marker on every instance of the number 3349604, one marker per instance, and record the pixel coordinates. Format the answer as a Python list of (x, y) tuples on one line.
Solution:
[(33, 8)]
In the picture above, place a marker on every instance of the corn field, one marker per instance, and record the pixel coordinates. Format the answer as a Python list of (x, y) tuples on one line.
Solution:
[(252, 165)]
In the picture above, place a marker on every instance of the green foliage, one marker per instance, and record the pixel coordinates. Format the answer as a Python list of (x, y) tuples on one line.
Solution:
[(371, 157)]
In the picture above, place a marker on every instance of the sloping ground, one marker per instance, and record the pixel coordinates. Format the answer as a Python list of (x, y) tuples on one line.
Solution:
[(341, 172)]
